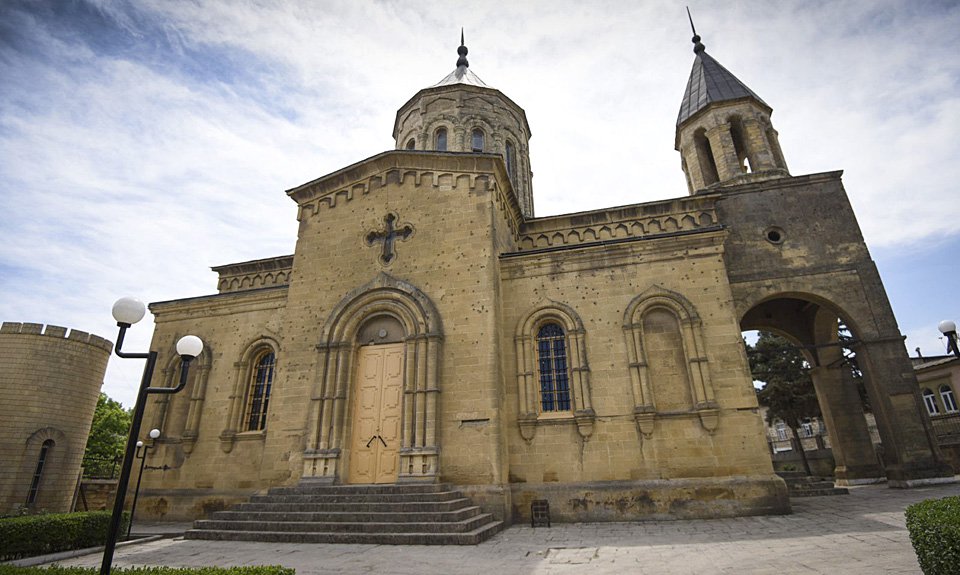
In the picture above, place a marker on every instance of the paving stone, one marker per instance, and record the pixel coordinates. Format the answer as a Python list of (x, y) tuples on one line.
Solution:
[(862, 533)]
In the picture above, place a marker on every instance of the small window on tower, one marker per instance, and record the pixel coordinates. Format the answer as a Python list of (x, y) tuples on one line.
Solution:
[(511, 162), (441, 140), (477, 140), (411, 144)]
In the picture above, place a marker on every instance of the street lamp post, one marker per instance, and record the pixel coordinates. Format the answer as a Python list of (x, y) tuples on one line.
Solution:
[(949, 329), (128, 311), (142, 450)]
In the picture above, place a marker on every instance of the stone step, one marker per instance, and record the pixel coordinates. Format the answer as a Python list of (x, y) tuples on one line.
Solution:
[(359, 507), (321, 489), (469, 538), (355, 516), (383, 514), (462, 526), (357, 497), (818, 492)]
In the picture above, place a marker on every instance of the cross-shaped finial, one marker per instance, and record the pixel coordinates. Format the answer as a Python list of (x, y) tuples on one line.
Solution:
[(388, 236)]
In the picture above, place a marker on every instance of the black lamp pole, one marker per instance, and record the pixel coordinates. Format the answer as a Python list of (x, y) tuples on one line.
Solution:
[(142, 449), (125, 317)]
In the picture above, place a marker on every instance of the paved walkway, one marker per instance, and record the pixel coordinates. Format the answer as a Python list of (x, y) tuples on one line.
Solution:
[(859, 533)]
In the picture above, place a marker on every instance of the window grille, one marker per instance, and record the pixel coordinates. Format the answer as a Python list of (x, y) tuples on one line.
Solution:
[(38, 473), (258, 399), (552, 360)]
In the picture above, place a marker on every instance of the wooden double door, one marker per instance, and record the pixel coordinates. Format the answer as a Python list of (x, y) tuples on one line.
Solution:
[(377, 414)]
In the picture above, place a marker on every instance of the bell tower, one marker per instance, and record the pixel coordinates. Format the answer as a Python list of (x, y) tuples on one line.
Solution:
[(724, 134), (461, 113)]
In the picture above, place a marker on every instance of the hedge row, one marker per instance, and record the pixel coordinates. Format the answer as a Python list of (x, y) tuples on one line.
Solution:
[(32, 535), (57, 570), (934, 527)]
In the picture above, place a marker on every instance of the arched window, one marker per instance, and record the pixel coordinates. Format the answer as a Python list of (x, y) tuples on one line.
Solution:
[(38, 473), (552, 368), (949, 401), (441, 140), (553, 376), (258, 396), (476, 140), (411, 144), (708, 166), (930, 400), (511, 162)]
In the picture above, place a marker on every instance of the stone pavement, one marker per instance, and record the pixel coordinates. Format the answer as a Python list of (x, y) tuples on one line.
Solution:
[(859, 533)]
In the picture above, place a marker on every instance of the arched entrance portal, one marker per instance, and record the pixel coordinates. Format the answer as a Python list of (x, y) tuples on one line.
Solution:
[(910, 452), (373, 410)]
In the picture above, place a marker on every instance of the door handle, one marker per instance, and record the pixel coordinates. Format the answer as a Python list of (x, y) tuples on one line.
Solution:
[(376, 437)]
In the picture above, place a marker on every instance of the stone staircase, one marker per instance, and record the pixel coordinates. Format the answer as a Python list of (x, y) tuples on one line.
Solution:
[(799, 484), (380, 514)]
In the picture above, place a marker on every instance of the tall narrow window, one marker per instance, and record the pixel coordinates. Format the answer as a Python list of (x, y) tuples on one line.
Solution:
[(411, 144), (441, 140), (552, 360), (781, 431), (949, 401), (930, 400), (259, 394), (38, 473), (511, 162), (477, 140)]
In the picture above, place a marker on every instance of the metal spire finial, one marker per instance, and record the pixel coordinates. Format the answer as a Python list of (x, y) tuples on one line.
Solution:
[(697, 45), (462, 50)]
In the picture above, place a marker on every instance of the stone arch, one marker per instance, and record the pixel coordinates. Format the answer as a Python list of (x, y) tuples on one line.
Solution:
[(177, 415), (328, 414), (577, 365), (242, 375), (661, 311), (810, 319)]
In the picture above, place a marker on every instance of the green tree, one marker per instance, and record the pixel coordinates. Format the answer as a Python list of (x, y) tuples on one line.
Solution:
[(788, 392), (108, 436)]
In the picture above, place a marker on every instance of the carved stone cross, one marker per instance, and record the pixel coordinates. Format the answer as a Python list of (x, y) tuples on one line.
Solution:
[(388, 236)]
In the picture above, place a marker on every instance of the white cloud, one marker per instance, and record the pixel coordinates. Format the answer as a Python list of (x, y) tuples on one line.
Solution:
[(138, 151)]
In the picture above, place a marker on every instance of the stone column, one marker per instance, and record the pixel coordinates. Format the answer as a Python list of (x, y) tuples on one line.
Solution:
[(724, 152), (911, 454), (853, 453), (758, 149)]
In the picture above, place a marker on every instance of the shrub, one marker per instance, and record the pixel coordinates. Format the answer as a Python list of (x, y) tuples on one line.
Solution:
[(57, 570), (934, 527), (40, 534)]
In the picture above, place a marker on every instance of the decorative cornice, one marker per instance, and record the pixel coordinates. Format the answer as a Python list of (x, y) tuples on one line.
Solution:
[(636, 221)]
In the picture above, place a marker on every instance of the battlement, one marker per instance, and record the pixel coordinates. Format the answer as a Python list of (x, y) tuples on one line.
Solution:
[(56, 331), (254, 274), (650, 219)]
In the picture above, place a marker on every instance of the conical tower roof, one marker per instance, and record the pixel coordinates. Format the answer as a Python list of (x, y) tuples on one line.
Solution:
[(710, 83), (462, 74)]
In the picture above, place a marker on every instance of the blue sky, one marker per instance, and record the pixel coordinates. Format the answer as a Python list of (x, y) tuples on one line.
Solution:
[(142, 142)]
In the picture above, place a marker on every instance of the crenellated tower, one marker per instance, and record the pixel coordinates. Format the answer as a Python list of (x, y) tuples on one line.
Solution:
[(461, 113), (724, 133)]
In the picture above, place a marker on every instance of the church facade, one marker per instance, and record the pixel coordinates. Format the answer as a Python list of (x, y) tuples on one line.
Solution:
[(430, 328)]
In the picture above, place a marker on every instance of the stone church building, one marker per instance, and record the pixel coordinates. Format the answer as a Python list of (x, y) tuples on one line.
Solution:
[(430, 328)]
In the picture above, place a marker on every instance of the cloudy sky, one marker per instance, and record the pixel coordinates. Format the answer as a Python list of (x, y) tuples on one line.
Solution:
[(143, 141)]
